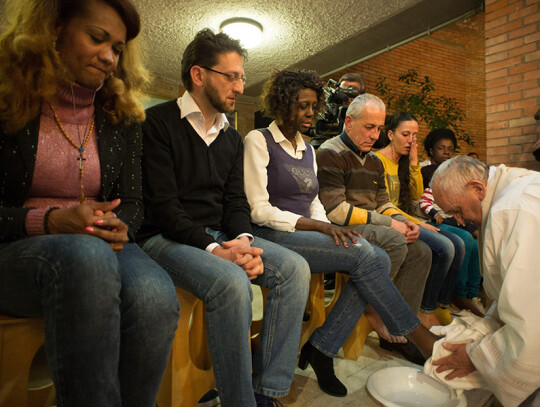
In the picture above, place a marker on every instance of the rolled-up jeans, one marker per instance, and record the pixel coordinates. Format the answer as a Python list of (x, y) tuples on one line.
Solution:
[(109, 318), (226, 290), (368, 267)]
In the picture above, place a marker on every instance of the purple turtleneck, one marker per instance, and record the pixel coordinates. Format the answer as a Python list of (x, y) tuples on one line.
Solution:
[(56, 175)]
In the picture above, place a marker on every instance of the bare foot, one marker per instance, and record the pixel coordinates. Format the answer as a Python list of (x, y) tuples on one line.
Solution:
[(379, 326), (424, 340), (468, 304), (428, 320)]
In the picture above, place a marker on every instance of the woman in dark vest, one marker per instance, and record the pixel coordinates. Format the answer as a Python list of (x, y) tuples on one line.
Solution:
[(282, 189)]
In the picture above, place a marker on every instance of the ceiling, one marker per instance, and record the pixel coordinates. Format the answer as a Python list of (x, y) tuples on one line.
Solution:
[(322, 35)]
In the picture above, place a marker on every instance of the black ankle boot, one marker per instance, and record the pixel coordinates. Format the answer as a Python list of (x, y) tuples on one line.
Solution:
[(324, 370)]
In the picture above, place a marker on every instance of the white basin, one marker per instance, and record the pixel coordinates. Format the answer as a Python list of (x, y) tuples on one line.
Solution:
[(409, 387)]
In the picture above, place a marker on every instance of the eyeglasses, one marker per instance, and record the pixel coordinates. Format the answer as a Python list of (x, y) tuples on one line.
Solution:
[(232, 78)]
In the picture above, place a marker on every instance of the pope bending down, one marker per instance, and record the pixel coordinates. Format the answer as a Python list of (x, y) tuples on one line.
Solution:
[(505, 203)]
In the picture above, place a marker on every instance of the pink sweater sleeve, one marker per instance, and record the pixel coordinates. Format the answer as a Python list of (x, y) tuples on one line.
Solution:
[(34, 222)]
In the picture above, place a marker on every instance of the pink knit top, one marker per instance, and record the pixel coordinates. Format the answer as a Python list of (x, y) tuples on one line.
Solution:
[(56, 179)]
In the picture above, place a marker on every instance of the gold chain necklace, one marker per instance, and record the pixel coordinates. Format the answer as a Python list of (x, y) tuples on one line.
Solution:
[(80, 148)]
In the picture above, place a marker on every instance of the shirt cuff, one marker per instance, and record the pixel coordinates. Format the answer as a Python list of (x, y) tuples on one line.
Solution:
[(210, 248), (248, 235), (34, 222)]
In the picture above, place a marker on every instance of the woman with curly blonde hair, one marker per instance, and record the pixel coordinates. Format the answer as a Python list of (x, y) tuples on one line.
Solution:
[(71, 200)]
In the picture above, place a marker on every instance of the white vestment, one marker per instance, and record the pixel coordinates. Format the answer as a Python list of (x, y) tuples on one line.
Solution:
[(508, 358)]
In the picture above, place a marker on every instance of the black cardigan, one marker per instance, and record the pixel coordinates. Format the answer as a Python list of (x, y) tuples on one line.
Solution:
[(120, 150), (189, 185)]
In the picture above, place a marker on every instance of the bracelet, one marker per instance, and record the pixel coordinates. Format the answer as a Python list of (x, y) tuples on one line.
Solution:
[(46, 219)]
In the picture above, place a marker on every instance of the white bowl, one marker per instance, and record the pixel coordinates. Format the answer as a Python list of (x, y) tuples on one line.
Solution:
[(409, 387)]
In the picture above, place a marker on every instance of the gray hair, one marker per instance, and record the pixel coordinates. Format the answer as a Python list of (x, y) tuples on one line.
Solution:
[(357, 106), (453, 175)]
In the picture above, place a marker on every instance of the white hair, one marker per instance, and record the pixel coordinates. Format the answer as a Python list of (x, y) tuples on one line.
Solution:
[(453, 175), (357, 106)]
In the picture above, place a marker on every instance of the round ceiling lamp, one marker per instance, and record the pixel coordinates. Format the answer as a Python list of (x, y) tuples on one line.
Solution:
[(247, 31)]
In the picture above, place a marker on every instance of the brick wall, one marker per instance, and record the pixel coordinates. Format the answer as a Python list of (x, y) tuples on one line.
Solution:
[(512, 80), (453, 58)]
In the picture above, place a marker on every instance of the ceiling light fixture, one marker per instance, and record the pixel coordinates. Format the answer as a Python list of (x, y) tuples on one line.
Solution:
[(246, 30)]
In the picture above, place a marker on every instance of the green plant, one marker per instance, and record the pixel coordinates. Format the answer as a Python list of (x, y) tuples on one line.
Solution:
[(416, 96)]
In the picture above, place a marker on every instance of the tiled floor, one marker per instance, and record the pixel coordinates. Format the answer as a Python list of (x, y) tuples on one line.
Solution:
[(305, 391), (353, 373)]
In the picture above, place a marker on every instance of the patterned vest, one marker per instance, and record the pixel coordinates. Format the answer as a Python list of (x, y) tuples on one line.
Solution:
[(292, 183)]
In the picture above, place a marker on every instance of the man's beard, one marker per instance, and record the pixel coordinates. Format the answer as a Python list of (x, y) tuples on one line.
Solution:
[(213, 97)]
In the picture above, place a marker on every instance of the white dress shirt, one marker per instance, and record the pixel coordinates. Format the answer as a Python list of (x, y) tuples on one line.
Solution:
[(190, 110)]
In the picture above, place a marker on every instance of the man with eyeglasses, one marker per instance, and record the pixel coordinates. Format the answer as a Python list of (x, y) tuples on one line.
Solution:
[(199, 227)]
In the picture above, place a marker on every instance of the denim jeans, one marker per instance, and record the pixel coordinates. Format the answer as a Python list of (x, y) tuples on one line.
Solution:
[(410, 262), (369, 283), (226, 290), (448, 252), (109, 318), (469, 278)]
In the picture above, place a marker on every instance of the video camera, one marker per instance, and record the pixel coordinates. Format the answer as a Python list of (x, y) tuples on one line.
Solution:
[(330, 122)]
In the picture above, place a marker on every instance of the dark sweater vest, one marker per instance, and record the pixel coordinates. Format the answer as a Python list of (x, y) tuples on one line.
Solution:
[(292, 183)]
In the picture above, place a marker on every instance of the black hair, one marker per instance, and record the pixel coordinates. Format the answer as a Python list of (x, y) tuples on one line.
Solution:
[(204, 51), (438, 134), (281, 91), (354, 77), (405, 198)]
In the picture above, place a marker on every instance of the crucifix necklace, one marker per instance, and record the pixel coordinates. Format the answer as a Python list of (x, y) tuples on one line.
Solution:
[(82, 142)]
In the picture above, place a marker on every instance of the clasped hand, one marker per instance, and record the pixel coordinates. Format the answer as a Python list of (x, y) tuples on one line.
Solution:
[(239, 252), (96, 219), (409, 229)]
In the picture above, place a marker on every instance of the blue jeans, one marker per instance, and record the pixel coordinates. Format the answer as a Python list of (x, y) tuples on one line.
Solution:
[(226, 290), (469, 278), (109, 318), (369, 283), (410, 262), (448, 252)]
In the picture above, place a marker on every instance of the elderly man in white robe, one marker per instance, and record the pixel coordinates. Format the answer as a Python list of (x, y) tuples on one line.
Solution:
[(505, 203)]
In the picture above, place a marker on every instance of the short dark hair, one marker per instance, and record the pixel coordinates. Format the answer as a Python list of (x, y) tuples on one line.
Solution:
[(125, 9), (354, 77), (204, 51), (281, 91), (438, 134)]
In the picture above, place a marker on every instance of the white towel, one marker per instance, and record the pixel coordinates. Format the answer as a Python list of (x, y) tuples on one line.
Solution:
[(462, 330)]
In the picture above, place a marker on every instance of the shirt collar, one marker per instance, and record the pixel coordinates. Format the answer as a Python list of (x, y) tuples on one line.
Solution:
[(188, 107), (279, 137), (349, 143)]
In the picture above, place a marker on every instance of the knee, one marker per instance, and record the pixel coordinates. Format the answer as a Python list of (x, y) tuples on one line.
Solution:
[(153, 300), (421, 250), (89, 264), (459, 246), (232, 287), (442, 247), (469, 241), (383, 257), (295, 270)]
